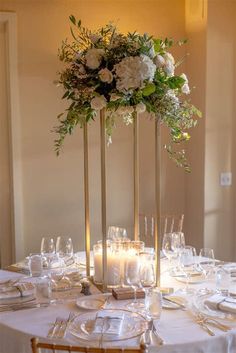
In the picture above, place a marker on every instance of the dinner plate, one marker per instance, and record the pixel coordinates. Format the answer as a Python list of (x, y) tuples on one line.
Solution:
[(198, 305), (133, 325), (92, 302), (193, 279)]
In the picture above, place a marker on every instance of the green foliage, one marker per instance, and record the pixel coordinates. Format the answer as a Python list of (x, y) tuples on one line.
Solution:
[(161, 94)]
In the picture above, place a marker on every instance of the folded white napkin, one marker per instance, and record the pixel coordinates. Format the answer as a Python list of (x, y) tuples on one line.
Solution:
[(17, 291), (219, 302), (110, 324), (231, 267)]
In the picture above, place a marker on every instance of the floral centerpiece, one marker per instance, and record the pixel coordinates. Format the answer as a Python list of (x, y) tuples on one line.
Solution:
[(126, 74)]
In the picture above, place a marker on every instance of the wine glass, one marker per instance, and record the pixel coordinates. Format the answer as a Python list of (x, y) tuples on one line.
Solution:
[(132, 278), (64, 248), (187, 261), (167, 248), (146, 270), (115, 233), (178, 242), (47, 249), (207, 261)]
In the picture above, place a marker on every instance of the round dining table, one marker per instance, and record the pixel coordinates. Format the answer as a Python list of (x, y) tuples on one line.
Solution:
[(178, 328)]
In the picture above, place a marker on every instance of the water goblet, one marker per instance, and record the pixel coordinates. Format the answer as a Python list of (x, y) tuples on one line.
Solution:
[(35, 265), (48, 249), (64, 248), (168, 250), (153, 303), (132, 278), (115, 233), (207, 261), (187, 261)]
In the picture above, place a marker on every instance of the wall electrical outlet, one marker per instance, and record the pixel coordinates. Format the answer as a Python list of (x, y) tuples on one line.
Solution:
[(226, 179)]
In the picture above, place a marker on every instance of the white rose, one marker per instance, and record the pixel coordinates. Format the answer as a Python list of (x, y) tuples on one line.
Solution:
[(128, 110), (94, 38), (105, 75), (98, 102), (114, 97), (185, 88), (159, 61), (169, 58), (93, 58), (169, 66), (140, 107), (184, 77)]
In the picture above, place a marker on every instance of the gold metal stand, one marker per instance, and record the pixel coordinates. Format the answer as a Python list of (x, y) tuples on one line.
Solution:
[(86, 201), (103, 195), (157, 200), (136, 176)]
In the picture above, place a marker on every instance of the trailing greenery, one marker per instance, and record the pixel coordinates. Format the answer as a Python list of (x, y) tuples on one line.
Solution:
[(126, 75)]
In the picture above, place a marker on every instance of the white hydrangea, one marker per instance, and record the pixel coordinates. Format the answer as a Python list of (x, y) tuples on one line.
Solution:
[(98, 102), (105, 75), (185, 88), (93, 58), (132, 71)]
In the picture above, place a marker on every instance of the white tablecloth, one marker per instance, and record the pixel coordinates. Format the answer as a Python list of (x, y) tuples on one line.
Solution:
[(178, 329)]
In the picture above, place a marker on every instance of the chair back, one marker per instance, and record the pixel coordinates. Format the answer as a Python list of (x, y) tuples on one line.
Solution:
[(39, 347)]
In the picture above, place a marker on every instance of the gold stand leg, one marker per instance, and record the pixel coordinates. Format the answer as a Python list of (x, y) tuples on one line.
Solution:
[(157, 200), (136, 176), (86, 201), (103, 195)]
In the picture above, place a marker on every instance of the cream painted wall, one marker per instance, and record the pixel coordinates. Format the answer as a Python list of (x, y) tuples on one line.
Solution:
[(53, 187), (5, 174), (220, 128), (196, 25)]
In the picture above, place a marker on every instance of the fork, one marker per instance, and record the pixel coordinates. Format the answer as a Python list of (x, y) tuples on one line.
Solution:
[(213, 322), (65, 324), (52, 330)]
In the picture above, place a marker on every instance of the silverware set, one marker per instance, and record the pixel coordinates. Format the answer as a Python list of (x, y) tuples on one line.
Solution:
[(150, 336), (22, 306), (60, 326), (206, 321)]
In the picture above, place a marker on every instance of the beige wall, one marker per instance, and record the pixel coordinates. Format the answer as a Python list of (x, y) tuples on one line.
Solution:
[(196, 24), (53, 187), (220, 127)]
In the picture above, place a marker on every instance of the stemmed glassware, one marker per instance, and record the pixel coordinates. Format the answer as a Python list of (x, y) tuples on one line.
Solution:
[(132, 278), (48, 250), (207, 261), (172, 245), (64, 251), (116, 233), (187, 261), (64, 248)]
